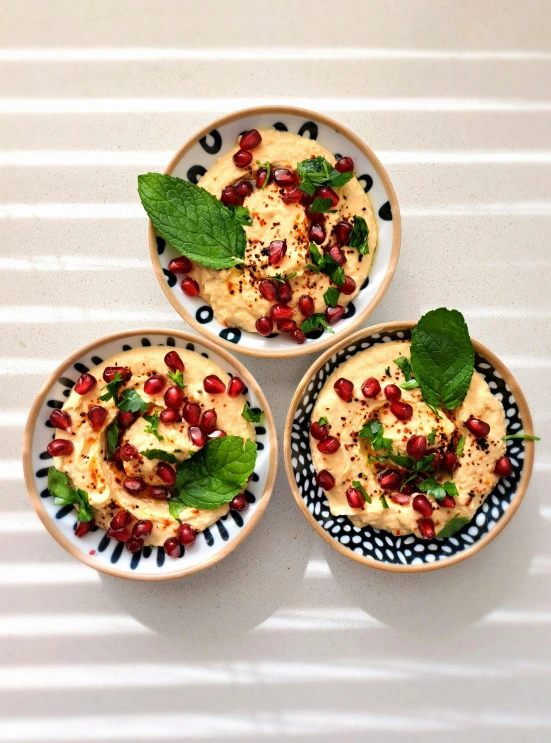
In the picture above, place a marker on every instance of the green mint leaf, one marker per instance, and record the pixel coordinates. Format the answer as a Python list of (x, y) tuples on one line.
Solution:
[(112, 388), (359, 235), (242, 215), (374, 431), (383, 501), (411, 385), (253, 415), (65, 495), (85, 511), (216, 473), (338, 276), (404, 366), (177, 377), (450, 487), (331, 297), (387, 371), (320, 206), (315, 253), (175, 506), (192, 220), (315, 322), (442, 357), (460, 445), (164, 456), (431, 487), (525, 436), (313, 173), (453, 526), (338, 180), (431, 438), (153, 425), (268, 169), (357, 484), (323, 421), (112, 439), (401, 460), (131, 402)]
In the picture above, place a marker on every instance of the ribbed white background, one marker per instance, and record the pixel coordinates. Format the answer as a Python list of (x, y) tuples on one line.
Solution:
[(286, 639)]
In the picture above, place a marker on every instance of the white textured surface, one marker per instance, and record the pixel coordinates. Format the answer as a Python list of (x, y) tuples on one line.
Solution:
[(285, 639)]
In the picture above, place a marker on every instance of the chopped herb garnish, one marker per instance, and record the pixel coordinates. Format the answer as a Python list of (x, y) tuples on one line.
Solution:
[(153, 425), (405, 367), (112, 439), (383, 501), (410, 385), (331, 297), (431, 438), (525, 436), (131, 402), (242, 215), (315, 322), (374, 432), (320, 206), (164, 456), (112, 388), (282, 278), (327, 265), (460, 445), (387, 371), (66, 495), (177, 377), (253, 415), (359, 235), (438, 490), (357, 484), (268, 168), (323, 421), (453, 526), (316, 172)]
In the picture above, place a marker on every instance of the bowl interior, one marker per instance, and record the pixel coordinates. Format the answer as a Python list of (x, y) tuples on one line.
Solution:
[(107, 554), (380, 546), (203, 154)]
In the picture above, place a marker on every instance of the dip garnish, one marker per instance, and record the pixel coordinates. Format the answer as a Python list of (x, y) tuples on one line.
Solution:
[(359, 236), (253, 415), (65, 495), (153, 424), (164, 456), (453, 526), (316, 172)]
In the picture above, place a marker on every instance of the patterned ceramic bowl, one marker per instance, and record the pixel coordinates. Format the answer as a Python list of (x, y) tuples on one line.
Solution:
[(95, 548), (381, 549), (202, 151)]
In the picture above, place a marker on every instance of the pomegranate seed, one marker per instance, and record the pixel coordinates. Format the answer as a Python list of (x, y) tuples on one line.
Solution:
[(389, 479), (96, 417), (180, 265), (276, 251), (503, 467), (292, 196), (316, 234), (416, 447), (166, 473), (426, 528), (174, 362), (308, 200), (402, 410), (334, 314), (298, 336), (287, 326), (447, 502), (449, 461), (218, 434), (478, 428), (306, 305), (318, 432), (85, 383), (349, 286), (60, 419), (329, 445), (154, 385), (186, 534), (250, 140), (120, 536), (411, 487), (314, 217), (190, 287), (284, 292), (355, 498), (326, 192), (344, 389), (208, 421), (191, 413), (402, 499), (134, 485), (343, 230), (235, 386), (231, 196), (110, 371), (158, 493), (213, 385), (392, 392), (264, 326), (344, 165), (60, 447), (337, 255), (268, 289), (83, 527), (284, 178), (242, 158), (239, 503), (422, 505), (280, 312), (120, 521), (325, 480), (197, 437), (174, 397), (127, 452), (125, 418), (168, 416), (437, 459), (244, 189), (172, 547), (371, 388), (142, 529), (134, 544), (261, 174)]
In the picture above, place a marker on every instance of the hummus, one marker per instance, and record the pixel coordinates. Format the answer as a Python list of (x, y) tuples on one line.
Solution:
[(89, 468), (234, 294), (355, 460)]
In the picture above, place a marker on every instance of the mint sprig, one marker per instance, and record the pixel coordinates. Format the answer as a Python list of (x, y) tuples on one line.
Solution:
[(316, 172), (359, 235), (65, 495), (438, 490), (253, 415)]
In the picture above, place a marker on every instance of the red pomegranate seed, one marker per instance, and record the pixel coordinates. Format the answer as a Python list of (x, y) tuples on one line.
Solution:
[(349, 286), (250, 140), (426, 528), (344, 389), (343, 230), (158, 493), (402, 410), (218, 434), (411, 487), (318, 432), (280, 312), (190, 287), (174, 397), (284, 178), (334, 314), (127, 452), (264, 326), (110, 371), (422, 505), (449, 461), (142, 529), (208, 421), (314, 217), (196, 436), (402, 499), (134, 485), (186, 534), (169, 416), (329, 445), (180, 265), (120, 521), (276, 251), (166, 473), (268, 289), (392, 392), (191, 413), (239, 503), (174, 362), (337, 255), (97, 416), (355, 498), (389, 479), (325, 192), (325, 480), (172, 547), (60, 448), (371, 388), (316, 234), (213, 385), (447, 502), (287, 326), (261, 174), (308, 200), (120, 536), (306, 305), (344, 165), (242, 158), (298, 336), (134, 544), (503, 467), (478, 428), (244, 189), (437, 459), (231, 196), (284, 292), (125, 418), (154, 385), (236, 386), (85, 383), (292, 196), (60, 419), (417, 447), (83, 527)]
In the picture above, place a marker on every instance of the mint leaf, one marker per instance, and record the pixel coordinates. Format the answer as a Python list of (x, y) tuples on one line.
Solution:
[(405, 367), (357, 484), (359, 235), (177, 377), (331, 297), (374, 431), (153, 425), (242, 215), (112, 388), (450, 487), (164, 456), (253, 415), (338, 276), (65, 495), (327, 265), (131, 402), (320, 206), (338, 180), (401, 460), (460, 445), (323, 421), (411, 385), (442, 357), (215, 474), (112, 439), (453, 526), (315, 322), (431, 438), (192, 220), (313, 173), (525, 436), (437, 490)]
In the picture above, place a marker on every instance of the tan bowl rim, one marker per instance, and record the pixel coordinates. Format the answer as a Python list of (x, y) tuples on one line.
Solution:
[(445, 562), (396, 226), (38, 504)]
